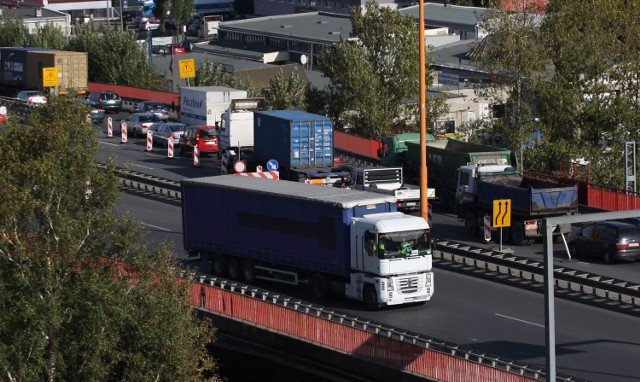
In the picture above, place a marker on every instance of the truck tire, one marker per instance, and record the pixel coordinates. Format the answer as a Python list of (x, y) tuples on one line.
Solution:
[(471, 224), (517, 234), (370, 297), (233, 268), (319, 285), (219, 265), (248, 271)]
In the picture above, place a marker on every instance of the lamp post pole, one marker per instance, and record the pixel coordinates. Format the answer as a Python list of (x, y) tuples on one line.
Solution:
[(424, 207)]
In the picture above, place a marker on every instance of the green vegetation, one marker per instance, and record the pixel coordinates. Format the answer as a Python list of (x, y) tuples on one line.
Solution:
[(286, 93), (573, 76), (375, 78), (71, 311)]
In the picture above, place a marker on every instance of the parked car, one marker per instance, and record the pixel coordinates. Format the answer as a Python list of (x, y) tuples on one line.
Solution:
[(95, 112), (206, 137), (607, 241), (176, 49), (110, 101), (163, 131), (32, 97), (139, 123), (156, 107), (160, 49)]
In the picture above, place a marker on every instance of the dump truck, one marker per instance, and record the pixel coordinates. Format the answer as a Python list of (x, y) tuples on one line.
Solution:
[(523, 202), (330, 239)]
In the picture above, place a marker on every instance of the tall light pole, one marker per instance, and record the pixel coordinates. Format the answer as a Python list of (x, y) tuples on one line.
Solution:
[(424, 207)]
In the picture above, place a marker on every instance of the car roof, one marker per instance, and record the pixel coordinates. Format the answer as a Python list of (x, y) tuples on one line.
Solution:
[(615, 223)]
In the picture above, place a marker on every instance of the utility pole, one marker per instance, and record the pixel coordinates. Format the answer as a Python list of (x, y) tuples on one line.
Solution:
[(424, 206)]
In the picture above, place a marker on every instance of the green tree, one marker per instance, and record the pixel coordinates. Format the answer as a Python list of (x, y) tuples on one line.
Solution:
[(13, 32), (71, 310), (286, 93), (48, 36), (116, 58), (374, 78), (181, 11)]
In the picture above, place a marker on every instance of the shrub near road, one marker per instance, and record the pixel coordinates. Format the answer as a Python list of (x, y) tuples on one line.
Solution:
[(67, 315)]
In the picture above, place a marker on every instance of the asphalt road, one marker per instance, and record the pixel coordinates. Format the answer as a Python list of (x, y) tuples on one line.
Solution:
[(592, 343)]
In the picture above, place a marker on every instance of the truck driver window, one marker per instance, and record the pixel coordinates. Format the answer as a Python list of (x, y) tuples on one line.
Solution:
[(369, 239)]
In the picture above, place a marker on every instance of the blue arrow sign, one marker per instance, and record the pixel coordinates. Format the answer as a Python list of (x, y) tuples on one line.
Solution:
[(272, 165)]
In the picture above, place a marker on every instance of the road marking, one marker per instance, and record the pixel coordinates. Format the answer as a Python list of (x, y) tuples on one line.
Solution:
[(517, 319), (108, 143), (137, 165), (155, 226)]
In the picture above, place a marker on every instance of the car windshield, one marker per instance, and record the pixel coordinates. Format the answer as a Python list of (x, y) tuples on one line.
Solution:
[(630, 233), (403, 244), (148, 118), (176, 128), (208, 133), (154, 106)]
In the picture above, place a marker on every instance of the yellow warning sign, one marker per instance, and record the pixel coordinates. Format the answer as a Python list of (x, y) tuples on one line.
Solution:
[(187, 68), (50, 77), (501, 213)]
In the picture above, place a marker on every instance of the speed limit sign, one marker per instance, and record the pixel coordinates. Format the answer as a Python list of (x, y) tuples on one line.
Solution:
[(240, 166)]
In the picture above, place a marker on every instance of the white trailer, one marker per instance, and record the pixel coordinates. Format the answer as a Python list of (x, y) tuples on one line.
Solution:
[(204, 105)]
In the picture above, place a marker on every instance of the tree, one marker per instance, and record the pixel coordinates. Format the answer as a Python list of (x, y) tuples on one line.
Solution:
[(116, 58), (13, 32), (84, 298), (286, 93), (181, 11), (374, 80), (48, 36)]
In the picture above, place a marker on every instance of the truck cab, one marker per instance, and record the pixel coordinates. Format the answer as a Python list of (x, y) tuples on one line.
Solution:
[(390, 253), (467, 179)]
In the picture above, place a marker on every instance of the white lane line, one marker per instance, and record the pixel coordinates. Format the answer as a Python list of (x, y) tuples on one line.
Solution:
[(137, 165), (519, 320), (108, 143), (155, 226)]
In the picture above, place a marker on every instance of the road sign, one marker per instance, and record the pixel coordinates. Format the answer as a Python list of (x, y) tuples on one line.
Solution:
[(187, 68), (501, 213), (272, 165), (50, 77), (240, 167)]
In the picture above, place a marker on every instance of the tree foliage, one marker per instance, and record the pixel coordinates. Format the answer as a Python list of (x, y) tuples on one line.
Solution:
[(573, 76), (375, 78), (71, 310), (181, 11), (13, 32), (286, 93), (116, 58)]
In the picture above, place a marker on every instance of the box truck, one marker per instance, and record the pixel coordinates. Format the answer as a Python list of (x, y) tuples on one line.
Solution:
[(204, 105)]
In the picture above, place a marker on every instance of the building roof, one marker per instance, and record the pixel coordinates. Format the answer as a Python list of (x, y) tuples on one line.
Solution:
[(311, 26), (30, 14), (437, 14)]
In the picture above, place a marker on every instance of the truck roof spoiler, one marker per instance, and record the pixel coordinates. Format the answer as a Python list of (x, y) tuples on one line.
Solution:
[(247, 104)]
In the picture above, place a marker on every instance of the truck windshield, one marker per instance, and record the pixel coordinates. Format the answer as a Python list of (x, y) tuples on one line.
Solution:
[(403, 244)]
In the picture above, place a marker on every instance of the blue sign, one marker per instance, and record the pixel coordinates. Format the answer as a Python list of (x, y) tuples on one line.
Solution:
[(272, 165)]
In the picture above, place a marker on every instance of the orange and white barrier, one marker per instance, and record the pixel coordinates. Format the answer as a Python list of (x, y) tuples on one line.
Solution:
[(3, 113), (123, 128), (263, 175), (196, 156), (87, 189), (487, 228), (170, 148), (149, 140), (109, 127)]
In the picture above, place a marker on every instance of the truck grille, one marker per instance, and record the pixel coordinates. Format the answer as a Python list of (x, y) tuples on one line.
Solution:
[(410, 284)]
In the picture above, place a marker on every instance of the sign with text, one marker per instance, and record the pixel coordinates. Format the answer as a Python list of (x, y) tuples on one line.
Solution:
[(50, 77), (187, 68)]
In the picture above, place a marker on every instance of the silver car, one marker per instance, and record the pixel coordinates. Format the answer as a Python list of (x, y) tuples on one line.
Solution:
[(156, 107), (139, 123)]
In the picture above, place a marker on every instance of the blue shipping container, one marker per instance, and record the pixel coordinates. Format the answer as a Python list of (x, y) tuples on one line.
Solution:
[(296, 139), (13, 63), (275, 221)]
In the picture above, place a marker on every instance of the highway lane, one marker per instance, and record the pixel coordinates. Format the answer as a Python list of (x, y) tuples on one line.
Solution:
[(592, 343)]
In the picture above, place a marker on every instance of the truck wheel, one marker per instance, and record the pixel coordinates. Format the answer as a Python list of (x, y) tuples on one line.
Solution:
[(233, 268), (518, 236), (370, 298), (219, 265), (471, 224), (248, 271), (319, 286)]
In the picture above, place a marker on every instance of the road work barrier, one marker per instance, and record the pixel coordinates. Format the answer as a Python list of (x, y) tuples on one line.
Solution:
[(123, 128), (149, 141), (170, 148)]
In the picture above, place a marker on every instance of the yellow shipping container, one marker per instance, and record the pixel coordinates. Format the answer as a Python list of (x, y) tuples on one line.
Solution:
[(73, 69)]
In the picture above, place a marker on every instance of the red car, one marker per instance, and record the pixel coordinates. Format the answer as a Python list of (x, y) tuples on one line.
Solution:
[(178, 49), (206, 137)]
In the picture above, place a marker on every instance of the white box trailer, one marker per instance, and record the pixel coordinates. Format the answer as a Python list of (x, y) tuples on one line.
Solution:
[(204, 105)]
